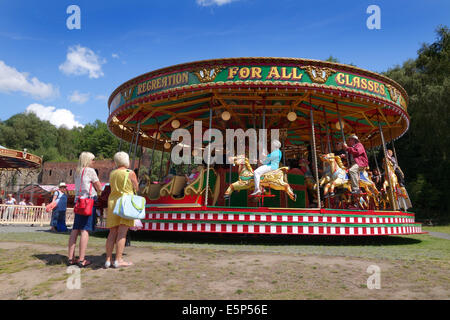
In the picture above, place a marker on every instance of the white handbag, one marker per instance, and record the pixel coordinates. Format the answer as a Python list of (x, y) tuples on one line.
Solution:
[(130, 206)]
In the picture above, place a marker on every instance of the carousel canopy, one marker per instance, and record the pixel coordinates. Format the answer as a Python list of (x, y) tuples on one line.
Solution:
[(14, 159), (38, 189), (47, 189), (271, 93)]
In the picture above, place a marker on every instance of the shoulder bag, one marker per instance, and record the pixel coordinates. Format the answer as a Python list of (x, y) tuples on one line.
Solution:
[(130, 206), (84, 205)]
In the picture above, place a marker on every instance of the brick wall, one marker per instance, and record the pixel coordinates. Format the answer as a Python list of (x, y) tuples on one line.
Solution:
[(12, 181)]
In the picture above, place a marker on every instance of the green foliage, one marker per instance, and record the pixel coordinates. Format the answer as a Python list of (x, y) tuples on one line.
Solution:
[(332, 59), (423, 151), (97, 139), (26, 130)]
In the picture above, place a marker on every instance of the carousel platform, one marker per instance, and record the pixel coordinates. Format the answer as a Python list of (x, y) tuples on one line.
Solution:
[(281, 221)]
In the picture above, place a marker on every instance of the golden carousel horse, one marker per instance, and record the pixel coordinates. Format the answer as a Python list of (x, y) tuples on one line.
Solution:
[(326, 176), (276, 179), (339, 179), (401, 196)]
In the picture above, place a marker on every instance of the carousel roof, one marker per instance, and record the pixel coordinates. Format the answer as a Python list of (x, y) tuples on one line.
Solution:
[(14, 159), (46, 189), (283, 91), (38, 189)]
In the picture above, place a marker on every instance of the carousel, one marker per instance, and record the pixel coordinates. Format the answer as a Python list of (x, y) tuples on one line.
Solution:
[(200, 112), (15, 161)]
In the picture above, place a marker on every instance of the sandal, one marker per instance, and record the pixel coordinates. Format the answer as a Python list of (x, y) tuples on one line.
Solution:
[(84, 263), (72, 262), (118, 264)]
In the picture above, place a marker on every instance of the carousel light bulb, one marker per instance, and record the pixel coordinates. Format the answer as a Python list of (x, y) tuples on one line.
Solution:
[(338, 125), (167, 145), (225, 116), (156, 135), (175, 124), (292, 116)]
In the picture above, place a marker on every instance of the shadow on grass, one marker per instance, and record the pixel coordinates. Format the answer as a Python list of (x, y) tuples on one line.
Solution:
[(265, 240), (52, 259)]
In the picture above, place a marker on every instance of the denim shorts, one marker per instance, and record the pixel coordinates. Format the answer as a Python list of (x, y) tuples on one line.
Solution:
[(85, 222)]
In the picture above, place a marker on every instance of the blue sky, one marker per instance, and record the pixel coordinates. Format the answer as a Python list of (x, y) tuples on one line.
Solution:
[(65, 76)]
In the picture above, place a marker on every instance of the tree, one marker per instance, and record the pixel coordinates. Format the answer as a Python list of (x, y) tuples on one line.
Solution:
[(423, 151), (26, 130)]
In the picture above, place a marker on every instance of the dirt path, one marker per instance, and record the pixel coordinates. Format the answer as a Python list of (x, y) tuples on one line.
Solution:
[(440, 235), (38, 271)]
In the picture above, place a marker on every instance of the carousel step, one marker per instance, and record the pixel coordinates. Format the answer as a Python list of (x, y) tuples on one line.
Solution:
[(270, 217), (283, 229)]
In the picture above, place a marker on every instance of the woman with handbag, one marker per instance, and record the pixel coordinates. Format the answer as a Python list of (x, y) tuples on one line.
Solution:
[(86, 179), (123, 182)]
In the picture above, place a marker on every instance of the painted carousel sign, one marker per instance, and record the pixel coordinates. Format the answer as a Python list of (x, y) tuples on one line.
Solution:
[(319, 76)]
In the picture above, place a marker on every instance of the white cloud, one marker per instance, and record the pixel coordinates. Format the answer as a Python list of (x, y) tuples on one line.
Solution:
[(12, 80), (101, 97), (115, 56), (79, 97), (207, 3), (80, 61), (57, 117)]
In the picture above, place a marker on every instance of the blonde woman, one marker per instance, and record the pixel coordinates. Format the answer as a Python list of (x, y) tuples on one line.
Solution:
[(118, 227), (85, 177)]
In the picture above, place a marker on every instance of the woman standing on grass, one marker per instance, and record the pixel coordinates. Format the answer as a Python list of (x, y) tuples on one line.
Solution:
[(86, 179), (122, 181)]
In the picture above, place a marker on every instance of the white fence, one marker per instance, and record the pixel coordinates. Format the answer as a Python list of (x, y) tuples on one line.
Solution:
[(35, 215)]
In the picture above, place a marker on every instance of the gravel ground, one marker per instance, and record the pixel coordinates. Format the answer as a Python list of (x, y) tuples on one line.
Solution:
[(22, 228), (439, 235)]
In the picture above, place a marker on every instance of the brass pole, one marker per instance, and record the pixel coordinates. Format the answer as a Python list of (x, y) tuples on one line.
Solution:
[(315, 155), (209, 156), (394, 204), (136, 143), (326, 127), (151, 158)]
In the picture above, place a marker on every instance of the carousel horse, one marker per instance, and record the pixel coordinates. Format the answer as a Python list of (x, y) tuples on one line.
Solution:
[(400, 194), (339, 178), (310, 182), (326, 176), (275, 179)]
